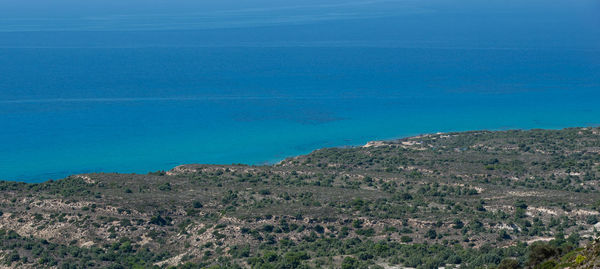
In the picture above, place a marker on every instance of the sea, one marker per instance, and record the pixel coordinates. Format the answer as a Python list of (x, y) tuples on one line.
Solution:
[(137, 86)]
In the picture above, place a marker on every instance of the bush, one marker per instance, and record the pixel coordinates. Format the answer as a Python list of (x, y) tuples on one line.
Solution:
[(218, 235), (366, 232), (509, 264), (591, 219), (165, 187), (540, 252), (365, 256), (271, 256), (158, 220), (521, 204), (458, 224), (294, 259), (268, 228), (349, 263), (264, 192), (579, 259), (13, 257), (503, 235), (405, 239), (431, 234)]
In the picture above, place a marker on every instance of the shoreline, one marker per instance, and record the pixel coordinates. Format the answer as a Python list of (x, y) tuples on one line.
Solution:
[(405, 141), (475, 189)]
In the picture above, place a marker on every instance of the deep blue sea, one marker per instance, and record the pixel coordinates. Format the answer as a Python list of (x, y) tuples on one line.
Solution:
[(136, 86)]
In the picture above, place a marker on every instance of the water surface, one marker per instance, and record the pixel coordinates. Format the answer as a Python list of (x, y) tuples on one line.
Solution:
[(98, 87)]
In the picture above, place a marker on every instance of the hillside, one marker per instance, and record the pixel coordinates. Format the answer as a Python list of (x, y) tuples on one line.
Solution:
[(471, 199)]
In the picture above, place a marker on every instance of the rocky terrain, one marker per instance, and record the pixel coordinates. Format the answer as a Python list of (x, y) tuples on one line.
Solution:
[(505, 199)]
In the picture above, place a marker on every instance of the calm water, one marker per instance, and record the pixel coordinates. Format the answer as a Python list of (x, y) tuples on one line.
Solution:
[(93, 89)]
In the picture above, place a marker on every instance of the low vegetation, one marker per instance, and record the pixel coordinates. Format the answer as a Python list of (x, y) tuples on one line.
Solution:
[(508, 199)]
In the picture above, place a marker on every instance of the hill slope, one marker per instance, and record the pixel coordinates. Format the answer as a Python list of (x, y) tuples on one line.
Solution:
[(472, 199)]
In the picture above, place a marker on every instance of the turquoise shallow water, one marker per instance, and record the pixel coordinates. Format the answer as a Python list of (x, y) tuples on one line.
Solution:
[(58, 138), (257, 85)]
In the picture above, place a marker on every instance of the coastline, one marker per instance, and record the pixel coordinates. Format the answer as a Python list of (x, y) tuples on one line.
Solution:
[(480, 191), (405, 142)]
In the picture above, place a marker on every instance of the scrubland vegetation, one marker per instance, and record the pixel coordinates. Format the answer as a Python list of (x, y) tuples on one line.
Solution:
[(509, 199)]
